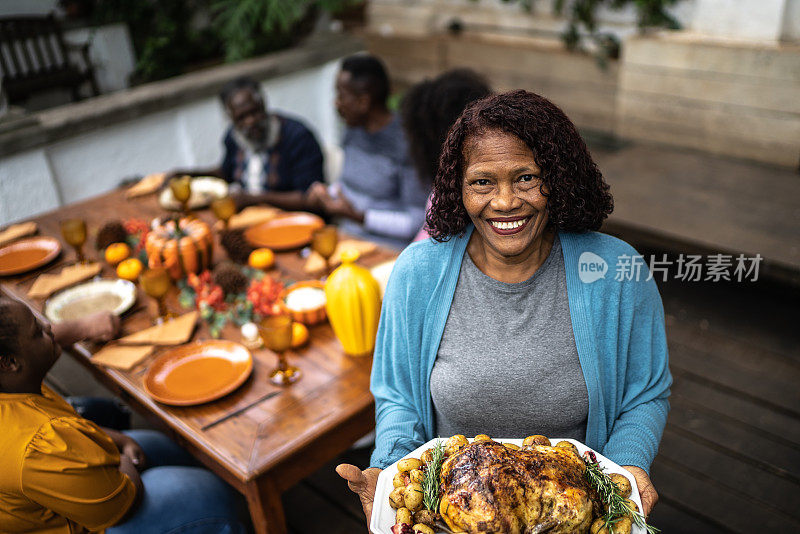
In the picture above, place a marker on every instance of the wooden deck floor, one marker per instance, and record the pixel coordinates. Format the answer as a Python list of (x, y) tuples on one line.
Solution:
[(730, 457)]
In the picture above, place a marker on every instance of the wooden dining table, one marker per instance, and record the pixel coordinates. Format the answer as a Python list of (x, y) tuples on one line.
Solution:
[(261, 439)]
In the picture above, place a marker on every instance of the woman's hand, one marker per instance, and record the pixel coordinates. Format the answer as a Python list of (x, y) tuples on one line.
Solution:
[(647, 491), (127, 447), (100, 326), (362, 483)]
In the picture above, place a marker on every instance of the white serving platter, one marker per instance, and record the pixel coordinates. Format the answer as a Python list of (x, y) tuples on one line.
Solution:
[(123, 289), (383, 515), (204, 190)]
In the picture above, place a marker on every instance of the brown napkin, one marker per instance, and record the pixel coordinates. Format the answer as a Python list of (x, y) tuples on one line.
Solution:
[(149, 184), (174, 332), (251, 216), (316, 263), (121, 357), (47, 284), (15, 231)]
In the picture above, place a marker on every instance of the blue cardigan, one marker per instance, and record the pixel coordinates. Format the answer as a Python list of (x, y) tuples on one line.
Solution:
[(619, 334)]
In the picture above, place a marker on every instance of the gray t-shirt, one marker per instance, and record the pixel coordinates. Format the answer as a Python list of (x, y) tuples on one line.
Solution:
[(507, 364)]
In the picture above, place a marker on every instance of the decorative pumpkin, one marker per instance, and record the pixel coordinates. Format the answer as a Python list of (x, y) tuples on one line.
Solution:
[(116, 252), (180, 247), (353, 305), (129, 269)]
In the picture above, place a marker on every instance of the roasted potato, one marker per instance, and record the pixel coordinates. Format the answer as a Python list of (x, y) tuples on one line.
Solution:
[(404, 516), (482, 437), (622, 483), (426, 517), (598, 526), (408, 464), (455, 443), (397, 497), (401, 480), (623, 526), (416, 475), (569, 446), (427, 456), (511, 446), (632, 505), (419, 528), (412, 497), (536, 440)]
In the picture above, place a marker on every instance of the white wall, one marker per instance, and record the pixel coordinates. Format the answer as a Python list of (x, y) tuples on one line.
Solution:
[(38, 180)]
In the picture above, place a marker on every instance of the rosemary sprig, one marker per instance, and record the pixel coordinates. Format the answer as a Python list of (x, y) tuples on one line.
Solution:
[(430, 481), (611, 497)]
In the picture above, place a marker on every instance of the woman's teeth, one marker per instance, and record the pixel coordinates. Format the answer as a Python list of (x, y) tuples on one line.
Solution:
[(508, 225)]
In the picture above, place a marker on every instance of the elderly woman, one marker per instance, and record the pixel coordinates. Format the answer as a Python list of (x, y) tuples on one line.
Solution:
[(493, 326)]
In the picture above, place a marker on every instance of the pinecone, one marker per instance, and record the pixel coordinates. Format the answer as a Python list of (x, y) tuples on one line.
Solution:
[(230, 278), (111, 232), (235, 244)]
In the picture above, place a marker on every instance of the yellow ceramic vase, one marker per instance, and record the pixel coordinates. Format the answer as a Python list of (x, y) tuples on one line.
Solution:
[(353, 303)]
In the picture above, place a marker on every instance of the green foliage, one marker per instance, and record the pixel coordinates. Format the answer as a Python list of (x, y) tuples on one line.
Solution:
[(581, 20), (171, 35)]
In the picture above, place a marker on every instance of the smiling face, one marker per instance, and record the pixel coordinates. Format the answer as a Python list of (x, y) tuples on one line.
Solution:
[(36, 350), (249, 115), (503, 196)]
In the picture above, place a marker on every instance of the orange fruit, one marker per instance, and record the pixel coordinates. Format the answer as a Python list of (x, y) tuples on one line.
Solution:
[(129, 269), (299, 335), (261, 258), (116, 252)]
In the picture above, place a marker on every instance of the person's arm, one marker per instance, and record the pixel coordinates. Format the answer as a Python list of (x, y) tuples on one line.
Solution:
[(100, 326), (74, 469), (636, 434), (285, 200), (407, 218), (398, 424)]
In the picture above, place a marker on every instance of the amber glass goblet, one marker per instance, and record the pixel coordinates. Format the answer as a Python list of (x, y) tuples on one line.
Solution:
[(181, 188), (323, 242), (276, 331), (74, 233), (156, 283), (224, 208)]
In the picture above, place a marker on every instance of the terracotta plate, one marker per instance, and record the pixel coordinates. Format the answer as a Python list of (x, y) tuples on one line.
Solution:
[(28, 254), (290, 231), (198, 372)]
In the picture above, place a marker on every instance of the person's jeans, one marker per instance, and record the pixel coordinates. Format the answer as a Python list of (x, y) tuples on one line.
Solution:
[(179, 497)]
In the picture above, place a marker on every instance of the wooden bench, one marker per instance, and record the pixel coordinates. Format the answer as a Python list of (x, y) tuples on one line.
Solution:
[(34, 57)]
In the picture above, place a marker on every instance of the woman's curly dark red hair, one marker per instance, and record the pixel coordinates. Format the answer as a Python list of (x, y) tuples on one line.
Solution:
[(577, 199)]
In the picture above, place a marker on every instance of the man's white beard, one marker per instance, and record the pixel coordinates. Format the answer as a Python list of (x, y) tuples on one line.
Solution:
[(251, 146)]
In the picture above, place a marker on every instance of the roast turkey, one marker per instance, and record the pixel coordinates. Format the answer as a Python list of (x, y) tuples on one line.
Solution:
[(489, 488)]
